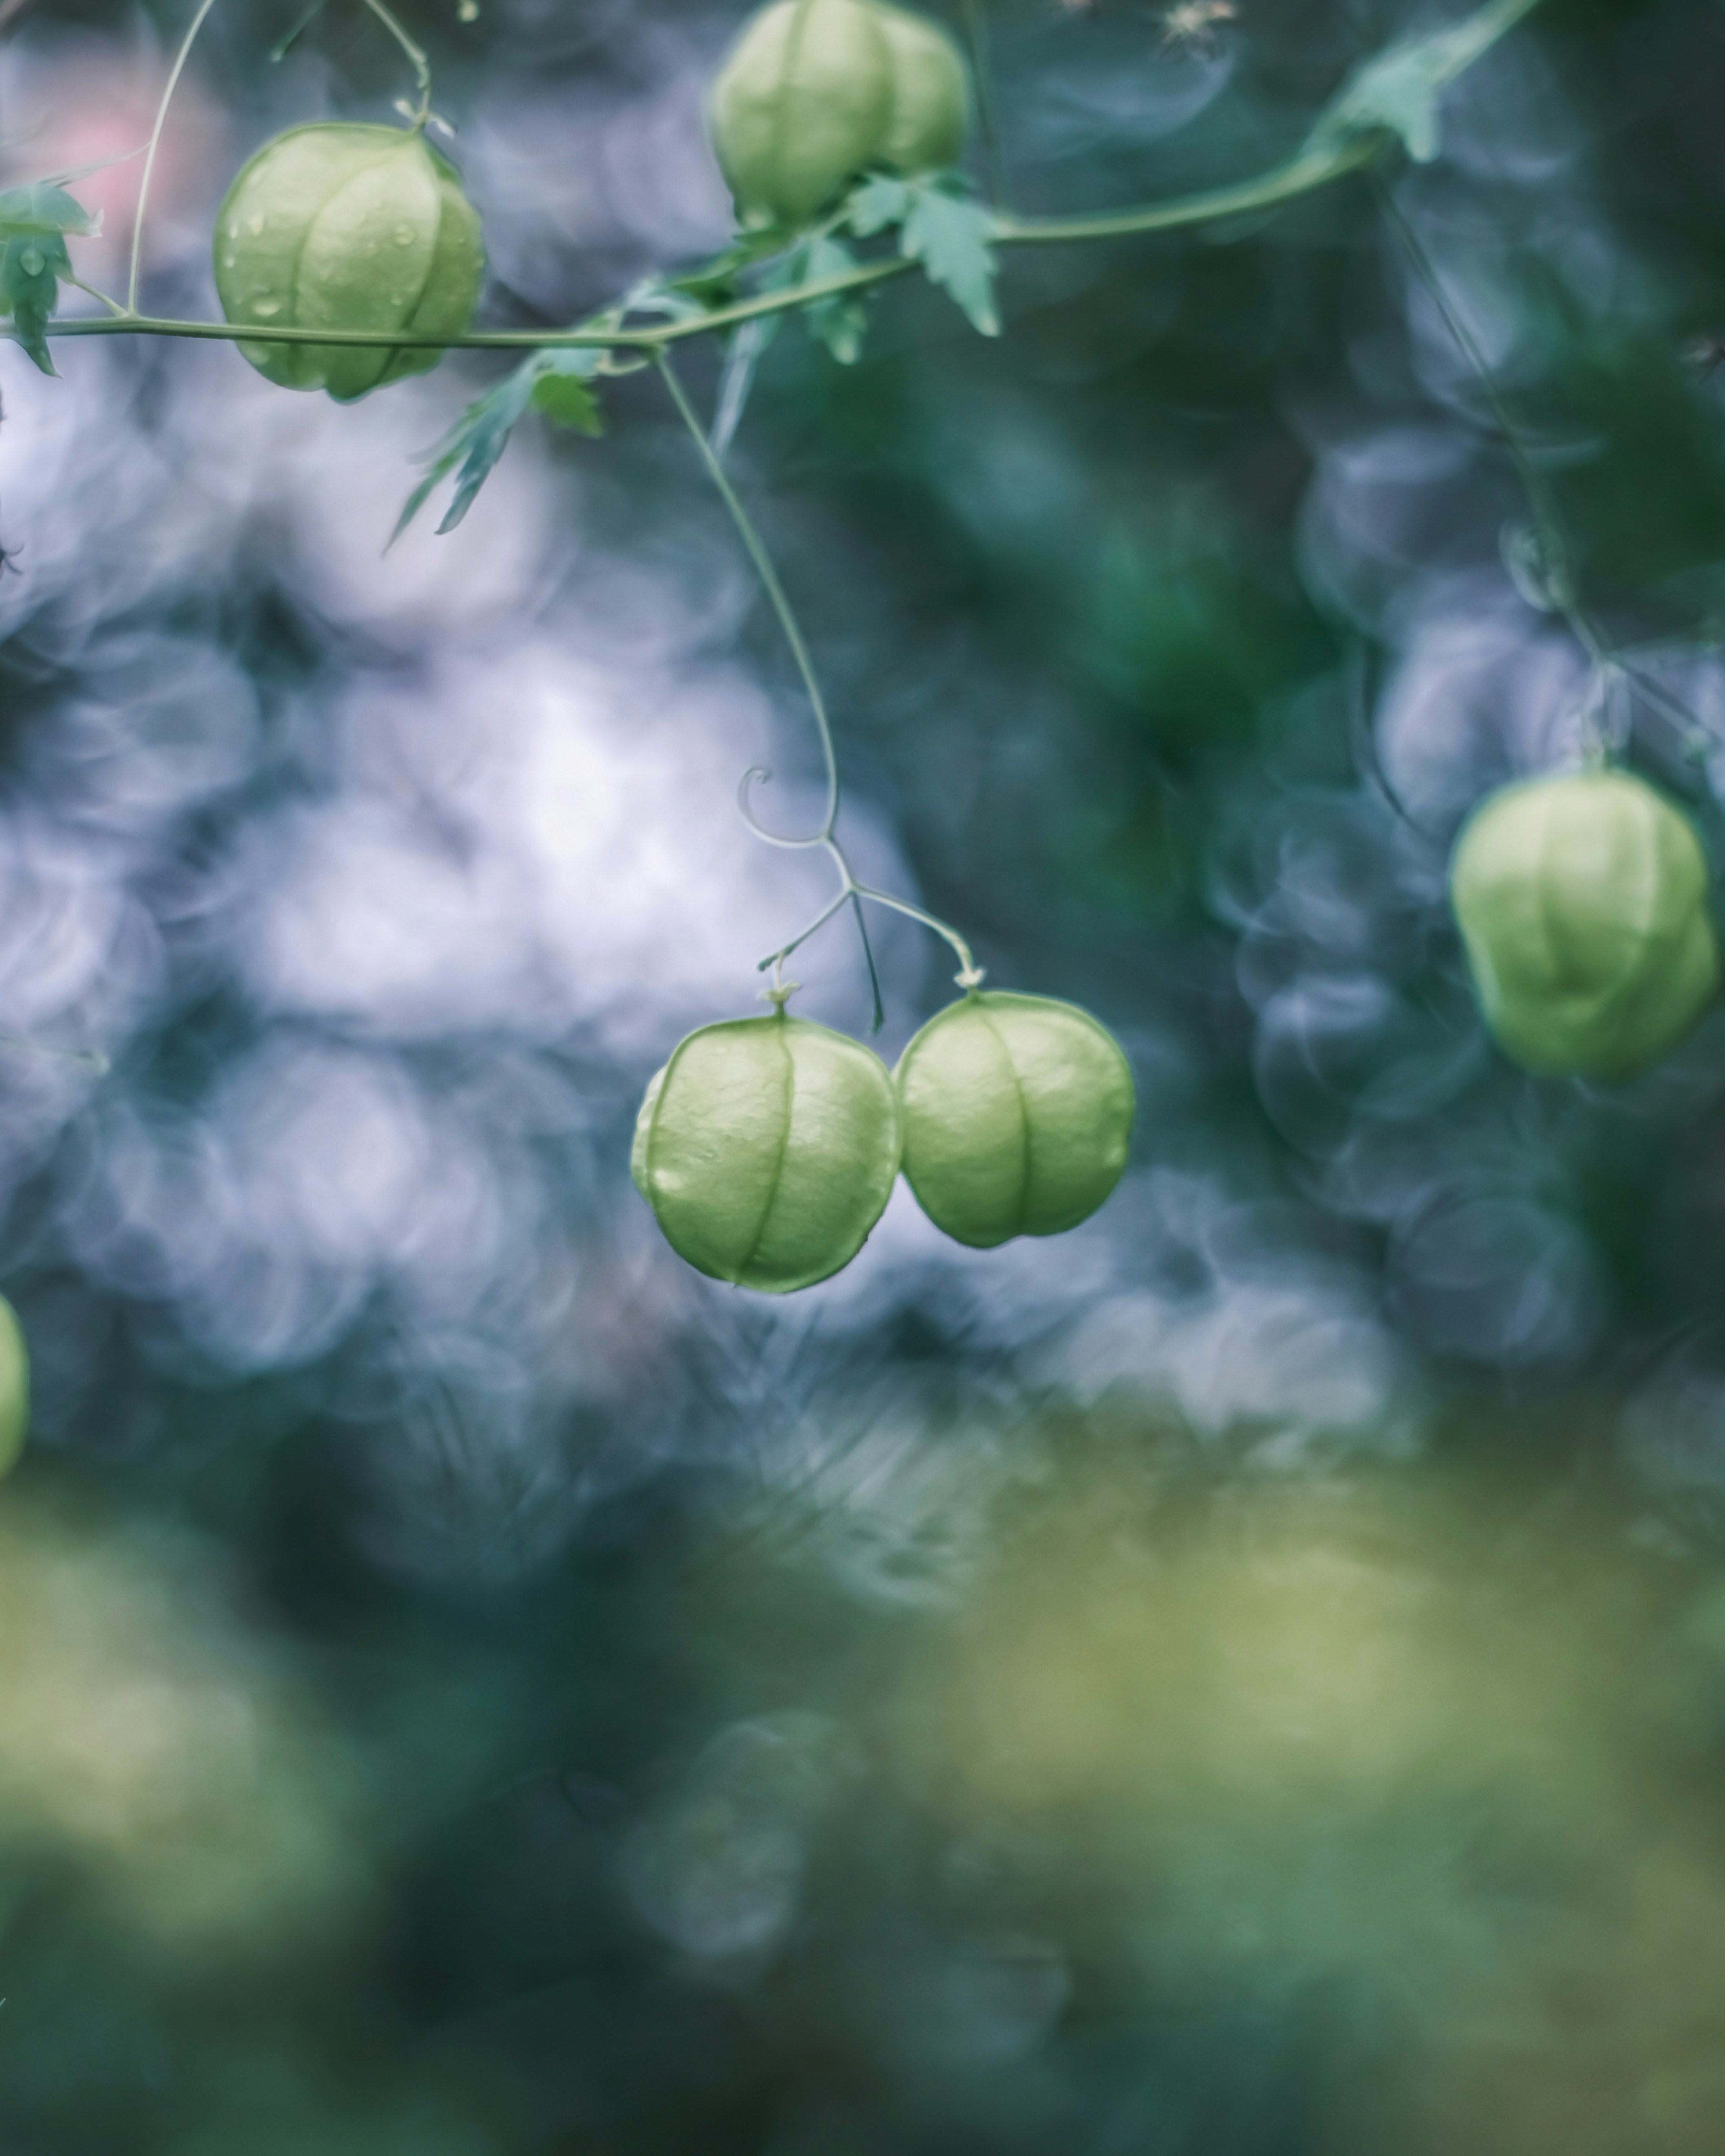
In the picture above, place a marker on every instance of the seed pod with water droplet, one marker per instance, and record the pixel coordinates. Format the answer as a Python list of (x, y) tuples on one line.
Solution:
[(1017, 1114), (340, 227), (815, 92), (1582, 900), (767, 1148)]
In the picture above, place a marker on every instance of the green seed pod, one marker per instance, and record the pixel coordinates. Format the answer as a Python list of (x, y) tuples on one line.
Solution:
[(14, 1388), (930, 113), (802, 103), (767, 1148), (1017, 1114), (340, 227), (1582, 903)]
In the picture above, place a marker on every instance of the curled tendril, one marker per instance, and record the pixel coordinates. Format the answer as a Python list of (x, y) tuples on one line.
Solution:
[(760, 774)]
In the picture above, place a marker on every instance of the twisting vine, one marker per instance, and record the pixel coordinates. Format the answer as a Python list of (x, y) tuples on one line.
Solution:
[(1556, 569), (850, 892)]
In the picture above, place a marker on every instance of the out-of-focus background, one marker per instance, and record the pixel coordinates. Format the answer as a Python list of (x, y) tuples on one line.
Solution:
[(1245, 1679)]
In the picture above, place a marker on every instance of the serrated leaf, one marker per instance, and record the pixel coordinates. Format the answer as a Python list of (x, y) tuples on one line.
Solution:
[(31, 266), (877, 204), (555, 382), (952, 236), (941, 226), (471, 447), (561, 393), (1397, 90), (42, 206), (840, 320), (34, 220)]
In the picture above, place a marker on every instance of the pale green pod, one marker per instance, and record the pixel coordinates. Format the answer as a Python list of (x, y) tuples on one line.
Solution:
[(930, 113), (342, 227), (1017, 1114), (14, 1388), (1582, 900), (767, 1148), (801, 104)]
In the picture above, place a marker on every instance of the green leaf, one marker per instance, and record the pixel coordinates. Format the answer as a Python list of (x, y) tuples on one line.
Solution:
[(566, 399), (839, 321), (877, 203), (34, 220), (1396, 91), (718, 283), (554, 383), (31, 266), (944, 228), (40, 206), (952, 236)]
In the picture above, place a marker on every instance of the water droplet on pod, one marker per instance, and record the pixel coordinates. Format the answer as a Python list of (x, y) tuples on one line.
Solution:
[(255, 224), (268, 307)]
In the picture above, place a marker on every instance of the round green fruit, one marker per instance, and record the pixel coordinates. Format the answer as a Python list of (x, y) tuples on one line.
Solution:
[(1582, 900), (767, 1148), (930, 113), (14, 1388), (815, 92), (1017, 1114), (339, 227)]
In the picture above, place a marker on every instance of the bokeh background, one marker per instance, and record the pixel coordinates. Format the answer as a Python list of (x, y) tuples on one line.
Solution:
[(1243, 1680)]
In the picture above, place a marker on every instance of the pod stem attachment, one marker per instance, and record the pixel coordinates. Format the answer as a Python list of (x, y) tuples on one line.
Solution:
[(850, 892), (417, 59), (1609, 667)]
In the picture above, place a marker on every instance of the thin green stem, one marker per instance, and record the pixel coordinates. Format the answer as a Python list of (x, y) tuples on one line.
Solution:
[(417, 59), (96, 292), (1549, 524), (975, 31), (782, 608), (1298, 175), (972, 975), (172, 84), (850, 891)]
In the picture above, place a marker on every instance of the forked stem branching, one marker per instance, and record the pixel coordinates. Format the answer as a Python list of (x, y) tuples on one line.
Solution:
[(850, 892)]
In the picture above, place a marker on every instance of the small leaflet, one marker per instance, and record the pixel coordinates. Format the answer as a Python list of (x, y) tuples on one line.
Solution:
[(1396, 91), (553, 382), (34, 221), (942, 227), (839, 321)]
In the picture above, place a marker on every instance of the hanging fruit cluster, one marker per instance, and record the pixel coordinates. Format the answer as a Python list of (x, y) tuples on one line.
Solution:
[(767, 1148)]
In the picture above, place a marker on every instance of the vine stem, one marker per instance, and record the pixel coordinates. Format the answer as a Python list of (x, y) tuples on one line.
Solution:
[(981, 67), (850, 892), (1298, 176), (1558, 554), (417, 59), (782, 608), (131, 317)]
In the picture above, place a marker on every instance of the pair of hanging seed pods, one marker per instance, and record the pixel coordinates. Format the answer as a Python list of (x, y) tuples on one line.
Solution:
[(767, 1148), (1582, 902)]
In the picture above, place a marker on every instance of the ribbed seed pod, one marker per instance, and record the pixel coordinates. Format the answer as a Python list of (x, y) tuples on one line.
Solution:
[(815, 92), (1017, 1113), (767, 1148), (340, 227), (14, 1388), (802, 103), (1582, 900), (930, 113)]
